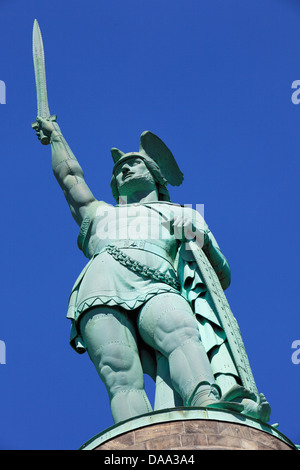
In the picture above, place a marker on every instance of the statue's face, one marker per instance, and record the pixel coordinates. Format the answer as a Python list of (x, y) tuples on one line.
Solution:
[(132, 176)]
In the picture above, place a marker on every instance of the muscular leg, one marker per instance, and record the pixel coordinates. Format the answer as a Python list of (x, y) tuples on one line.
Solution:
[(110, 339), (167, 324)]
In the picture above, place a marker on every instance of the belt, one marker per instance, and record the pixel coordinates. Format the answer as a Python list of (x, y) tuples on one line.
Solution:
[(143, 245), (140, 268)]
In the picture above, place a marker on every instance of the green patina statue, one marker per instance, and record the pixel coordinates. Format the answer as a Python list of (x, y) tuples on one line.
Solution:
[(151, 298)]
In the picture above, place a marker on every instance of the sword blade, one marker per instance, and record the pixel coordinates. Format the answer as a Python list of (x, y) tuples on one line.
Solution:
[(40, 72)]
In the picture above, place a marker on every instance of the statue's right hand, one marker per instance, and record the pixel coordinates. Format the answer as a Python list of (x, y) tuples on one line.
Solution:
[(44, 128)]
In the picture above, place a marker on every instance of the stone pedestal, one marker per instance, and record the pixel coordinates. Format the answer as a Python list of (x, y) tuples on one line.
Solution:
[(190, 429)]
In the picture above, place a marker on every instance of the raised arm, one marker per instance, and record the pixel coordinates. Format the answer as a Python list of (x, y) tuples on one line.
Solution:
[(67, 171)]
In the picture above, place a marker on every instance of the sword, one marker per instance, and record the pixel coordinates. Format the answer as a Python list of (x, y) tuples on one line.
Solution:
[(40, 81)]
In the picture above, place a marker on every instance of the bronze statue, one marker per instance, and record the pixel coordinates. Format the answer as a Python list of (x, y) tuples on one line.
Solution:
[(151, 298)]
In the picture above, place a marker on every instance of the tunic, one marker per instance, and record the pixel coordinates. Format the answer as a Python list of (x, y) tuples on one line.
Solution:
[(137, 230)]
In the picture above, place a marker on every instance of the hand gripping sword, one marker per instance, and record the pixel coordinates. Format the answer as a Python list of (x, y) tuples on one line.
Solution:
[(40, 80)]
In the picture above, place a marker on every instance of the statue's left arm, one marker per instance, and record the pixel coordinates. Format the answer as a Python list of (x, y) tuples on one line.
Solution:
[(208, 243), (190, 225), (217, 259)]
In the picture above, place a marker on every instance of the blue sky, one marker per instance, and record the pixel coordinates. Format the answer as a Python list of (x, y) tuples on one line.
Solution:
[(213, 80)]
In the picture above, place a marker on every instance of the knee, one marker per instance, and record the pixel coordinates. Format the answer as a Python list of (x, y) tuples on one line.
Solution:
[(166, 322), (175, 339), (172, 332), (119, 368)]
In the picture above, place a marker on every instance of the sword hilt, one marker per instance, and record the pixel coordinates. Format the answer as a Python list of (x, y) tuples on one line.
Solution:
[(45, 140)]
